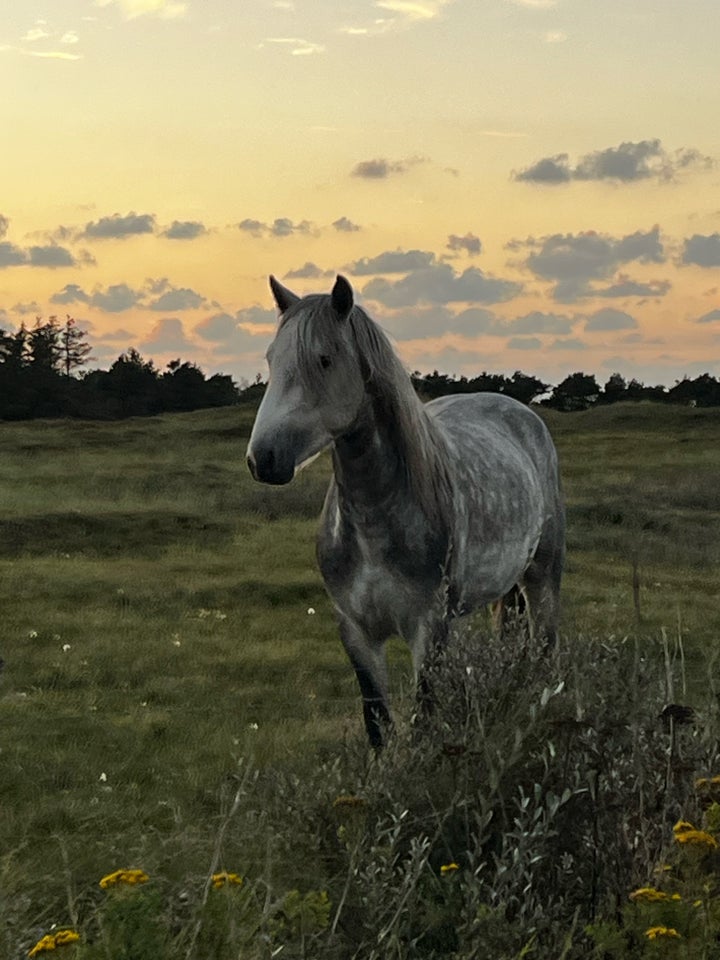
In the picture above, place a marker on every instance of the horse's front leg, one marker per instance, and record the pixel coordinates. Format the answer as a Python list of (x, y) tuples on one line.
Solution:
[(368, 660)]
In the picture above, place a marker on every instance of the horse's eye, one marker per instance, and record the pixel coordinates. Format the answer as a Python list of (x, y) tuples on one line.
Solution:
[(325, 361)]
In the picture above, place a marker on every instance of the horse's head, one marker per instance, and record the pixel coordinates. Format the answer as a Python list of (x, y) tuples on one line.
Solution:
[(316, 386)]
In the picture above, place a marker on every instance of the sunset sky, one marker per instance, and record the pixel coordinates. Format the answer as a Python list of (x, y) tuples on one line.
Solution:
[(508, 184)]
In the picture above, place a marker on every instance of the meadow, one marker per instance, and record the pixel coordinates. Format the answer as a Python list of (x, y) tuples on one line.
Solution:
[(174, 698)]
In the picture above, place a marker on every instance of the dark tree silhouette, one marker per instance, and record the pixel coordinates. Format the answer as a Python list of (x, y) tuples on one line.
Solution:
[(576, 392), (74, 349), (614, 390)]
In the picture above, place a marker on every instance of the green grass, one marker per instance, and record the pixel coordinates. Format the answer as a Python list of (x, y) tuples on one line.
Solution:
[(157, 639)]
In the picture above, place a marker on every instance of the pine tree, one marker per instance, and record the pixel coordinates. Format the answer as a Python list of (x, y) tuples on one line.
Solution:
[(74, 348)]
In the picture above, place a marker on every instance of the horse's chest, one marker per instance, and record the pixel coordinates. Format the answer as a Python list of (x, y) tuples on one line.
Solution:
[(381, 584)]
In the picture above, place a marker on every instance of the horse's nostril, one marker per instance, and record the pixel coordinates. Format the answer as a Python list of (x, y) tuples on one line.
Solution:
[(267, 467)]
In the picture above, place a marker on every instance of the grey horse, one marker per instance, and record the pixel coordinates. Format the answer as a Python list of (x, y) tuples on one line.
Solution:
[(434, 510)]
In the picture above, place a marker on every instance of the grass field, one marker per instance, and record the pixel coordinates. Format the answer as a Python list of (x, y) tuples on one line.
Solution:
[(160, 650)]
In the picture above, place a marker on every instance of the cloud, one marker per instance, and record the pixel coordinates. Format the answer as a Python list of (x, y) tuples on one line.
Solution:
[(473, 321), (309, 271), (118, 334), (168, 336), (434, 321), (439, 283), (418, 322), (343, 225), (26, 308), (524, 343), (702, 250), (231, 333), (254, 227), (392, 261), (574, 261), (11, 256), (548, 170), (50, 256), (35, 33), (380, 168), (554, 36), (711, 317), (284, 227), (119, 227), (156, 295), (626, 287), (4, 224), (51, 54), (182, 298), (115, 298), (535, 4), (280, 227), (469, 243), (609, 319), (164, 9), (571, 343), (184, 230), (628, 162), (538, 322), (296, 45), (70, 293), (413, 10), (402, 14)]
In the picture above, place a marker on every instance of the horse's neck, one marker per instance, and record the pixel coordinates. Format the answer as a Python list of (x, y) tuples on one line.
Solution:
[(386, 460)]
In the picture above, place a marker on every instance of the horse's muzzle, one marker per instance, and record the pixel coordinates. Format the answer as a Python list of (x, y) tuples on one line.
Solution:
[(266, 467)]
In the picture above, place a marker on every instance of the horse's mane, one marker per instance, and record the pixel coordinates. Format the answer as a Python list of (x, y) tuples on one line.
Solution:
[(397, 407)]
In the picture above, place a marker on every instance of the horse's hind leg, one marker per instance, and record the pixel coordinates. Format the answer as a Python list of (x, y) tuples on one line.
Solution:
[(509, 613), (427, 647), (541, 583)]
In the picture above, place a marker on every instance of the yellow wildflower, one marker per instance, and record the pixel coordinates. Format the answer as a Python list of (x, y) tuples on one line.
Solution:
[(448, 868), (63, 937), (651, 895), (224, 879), (697, 838), (45, 943), (131, 877), (53, 940), (655, 933), (682, 826)]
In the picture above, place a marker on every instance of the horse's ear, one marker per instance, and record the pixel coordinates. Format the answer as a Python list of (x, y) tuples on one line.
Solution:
[(342, 298), (284, 298)]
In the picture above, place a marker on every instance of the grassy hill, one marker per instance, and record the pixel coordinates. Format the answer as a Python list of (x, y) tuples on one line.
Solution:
[(169, 700)]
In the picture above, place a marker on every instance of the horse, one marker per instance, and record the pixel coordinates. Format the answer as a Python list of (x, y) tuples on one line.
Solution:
[(433, 511)]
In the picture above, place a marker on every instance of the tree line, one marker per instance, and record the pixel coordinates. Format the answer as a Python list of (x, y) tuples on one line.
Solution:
[(42, 375), (578, 391)]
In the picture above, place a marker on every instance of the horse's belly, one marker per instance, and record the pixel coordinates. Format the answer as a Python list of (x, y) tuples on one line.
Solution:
[(488, 571)]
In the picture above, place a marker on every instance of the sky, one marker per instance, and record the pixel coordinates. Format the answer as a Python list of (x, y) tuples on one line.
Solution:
[(508, 184)]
